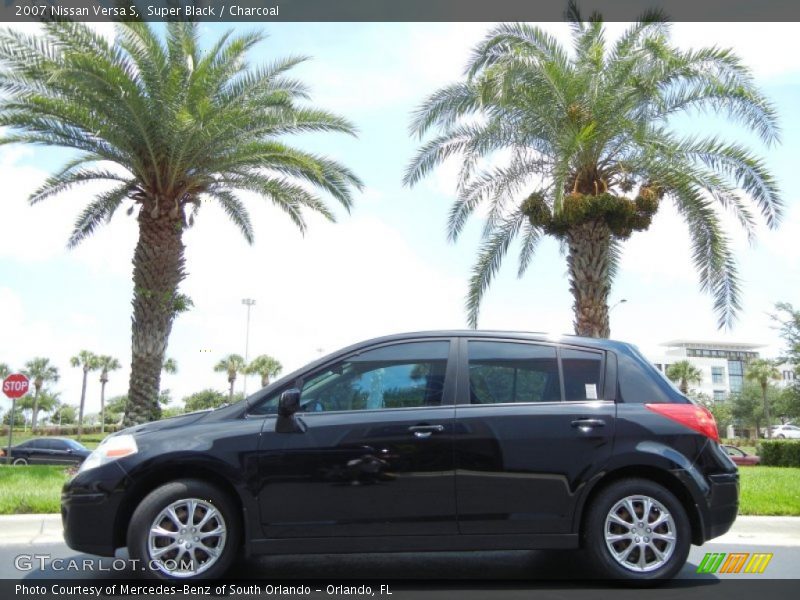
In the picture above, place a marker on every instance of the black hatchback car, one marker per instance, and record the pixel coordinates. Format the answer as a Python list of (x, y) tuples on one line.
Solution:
[(449, 440), (46, 451)]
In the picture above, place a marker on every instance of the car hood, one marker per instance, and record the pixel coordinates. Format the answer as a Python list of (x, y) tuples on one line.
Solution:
[(163, 424)]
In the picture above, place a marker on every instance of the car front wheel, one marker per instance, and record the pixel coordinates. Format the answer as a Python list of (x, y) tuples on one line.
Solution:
[(20, 462), (186, 529), (637, 530)]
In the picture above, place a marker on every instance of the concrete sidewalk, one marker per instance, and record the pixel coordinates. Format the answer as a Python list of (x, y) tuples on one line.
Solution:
[(761, 531)]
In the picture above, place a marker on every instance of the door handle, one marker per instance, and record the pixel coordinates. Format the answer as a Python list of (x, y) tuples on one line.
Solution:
[(425, 431), (588, 423)]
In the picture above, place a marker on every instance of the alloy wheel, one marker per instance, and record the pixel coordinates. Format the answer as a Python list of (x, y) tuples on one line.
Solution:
[(187, 537), (640, 533)]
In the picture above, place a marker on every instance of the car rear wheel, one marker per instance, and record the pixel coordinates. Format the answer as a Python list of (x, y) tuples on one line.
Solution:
[(20, 462), (186, 529), (780, 436), (637, 530)]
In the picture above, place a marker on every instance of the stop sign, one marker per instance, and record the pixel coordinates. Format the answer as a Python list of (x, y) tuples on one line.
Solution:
[(15, 385)]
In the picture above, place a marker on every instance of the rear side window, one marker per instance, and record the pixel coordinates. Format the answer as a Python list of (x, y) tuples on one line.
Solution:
[(582, 372), (505, 372)]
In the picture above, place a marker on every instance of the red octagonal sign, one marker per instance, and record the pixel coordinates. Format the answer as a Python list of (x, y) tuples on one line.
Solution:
[(15, 385)]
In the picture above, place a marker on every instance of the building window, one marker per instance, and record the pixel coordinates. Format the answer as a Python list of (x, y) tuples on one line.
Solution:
[(719, 395), (788, 375), (735, 375), (717, 375)]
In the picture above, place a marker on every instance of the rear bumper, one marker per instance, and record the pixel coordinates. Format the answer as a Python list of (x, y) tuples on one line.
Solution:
[(722, 505)]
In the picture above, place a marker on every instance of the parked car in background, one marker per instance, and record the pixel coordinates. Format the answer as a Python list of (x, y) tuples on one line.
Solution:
[(46, 451), (786, 432), (740, 457), (448, 440)]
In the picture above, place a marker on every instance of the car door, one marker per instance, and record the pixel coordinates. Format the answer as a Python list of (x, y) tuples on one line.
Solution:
[(60, 452), (532, 427), (40, 452), (376, 456)]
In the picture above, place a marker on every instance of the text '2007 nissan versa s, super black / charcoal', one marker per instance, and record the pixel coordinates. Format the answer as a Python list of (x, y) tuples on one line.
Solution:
[(449, 440)]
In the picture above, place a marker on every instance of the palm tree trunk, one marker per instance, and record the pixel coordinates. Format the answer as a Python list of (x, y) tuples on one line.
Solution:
[(83, 400), (158, 264), (588, 262), (766, 408), (265, 380), (35, 406), (230, 392), (102, 407)]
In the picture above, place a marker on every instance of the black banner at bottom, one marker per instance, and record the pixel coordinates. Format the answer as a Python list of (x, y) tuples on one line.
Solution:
[(707, 589)]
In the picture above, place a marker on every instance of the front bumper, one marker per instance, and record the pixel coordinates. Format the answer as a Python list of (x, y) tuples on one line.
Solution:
[(90, 502)]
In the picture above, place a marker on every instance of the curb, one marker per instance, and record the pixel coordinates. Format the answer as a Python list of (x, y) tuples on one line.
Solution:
[(32, 529)]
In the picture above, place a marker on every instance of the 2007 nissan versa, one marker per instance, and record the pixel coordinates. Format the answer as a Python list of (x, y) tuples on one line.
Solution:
[(449, 440)]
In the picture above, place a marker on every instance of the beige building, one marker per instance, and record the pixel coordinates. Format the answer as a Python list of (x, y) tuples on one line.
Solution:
[(721, 364)]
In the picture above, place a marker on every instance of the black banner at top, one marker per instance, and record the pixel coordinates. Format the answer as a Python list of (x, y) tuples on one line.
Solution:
[(391, 10)]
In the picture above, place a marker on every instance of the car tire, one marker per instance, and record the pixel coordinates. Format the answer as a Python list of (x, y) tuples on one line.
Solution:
[(202, 547), (20, 462), (780, 436), (616, 542)]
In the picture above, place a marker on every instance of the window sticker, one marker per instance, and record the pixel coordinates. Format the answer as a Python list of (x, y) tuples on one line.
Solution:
[(591, 391)]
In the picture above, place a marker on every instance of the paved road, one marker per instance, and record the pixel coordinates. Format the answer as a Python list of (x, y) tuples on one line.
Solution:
[(455, 566)]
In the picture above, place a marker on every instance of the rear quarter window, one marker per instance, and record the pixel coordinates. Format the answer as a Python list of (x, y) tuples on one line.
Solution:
[(641, 383)]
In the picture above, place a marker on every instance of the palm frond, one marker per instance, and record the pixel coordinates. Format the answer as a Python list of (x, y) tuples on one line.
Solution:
[(490, 257)]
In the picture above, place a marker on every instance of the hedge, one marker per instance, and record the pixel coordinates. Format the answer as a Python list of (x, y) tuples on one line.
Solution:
[(780, 453), (70, 430)]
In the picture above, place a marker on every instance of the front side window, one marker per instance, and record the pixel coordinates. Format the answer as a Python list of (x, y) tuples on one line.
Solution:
[(505, 372), (404, 375)]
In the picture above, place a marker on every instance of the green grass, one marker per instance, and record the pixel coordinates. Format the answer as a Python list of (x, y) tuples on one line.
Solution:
[(37, 489), (769, 491), (31, 489)]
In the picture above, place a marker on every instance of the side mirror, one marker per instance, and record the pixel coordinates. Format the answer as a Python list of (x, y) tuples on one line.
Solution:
[(289, 402)]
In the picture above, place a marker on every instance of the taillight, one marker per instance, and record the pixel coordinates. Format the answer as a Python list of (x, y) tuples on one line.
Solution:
[(692, 416)]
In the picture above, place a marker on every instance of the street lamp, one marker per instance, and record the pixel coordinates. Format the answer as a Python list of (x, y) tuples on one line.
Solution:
[(623, 301), (249, 303)]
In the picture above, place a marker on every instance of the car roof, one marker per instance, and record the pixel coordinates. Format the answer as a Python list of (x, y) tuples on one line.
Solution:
[(538, 336)]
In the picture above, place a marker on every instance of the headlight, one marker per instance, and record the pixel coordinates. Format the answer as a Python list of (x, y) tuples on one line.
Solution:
[(111, 448)]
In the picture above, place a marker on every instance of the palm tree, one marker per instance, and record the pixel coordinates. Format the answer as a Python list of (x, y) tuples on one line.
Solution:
[(105, 364), (166, 126), (88, 362), (592, 154), (684, 373), (266, 366), (47, 402), (41, 371), (762, 371), (233, 364)]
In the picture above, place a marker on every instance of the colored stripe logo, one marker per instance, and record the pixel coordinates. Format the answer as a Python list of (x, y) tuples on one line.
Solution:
[(734, 562)]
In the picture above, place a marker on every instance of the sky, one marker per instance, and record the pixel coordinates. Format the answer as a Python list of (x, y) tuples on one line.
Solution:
[(387, 266)]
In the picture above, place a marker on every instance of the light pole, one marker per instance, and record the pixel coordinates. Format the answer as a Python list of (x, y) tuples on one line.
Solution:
[(248, 302), (623, 301)]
